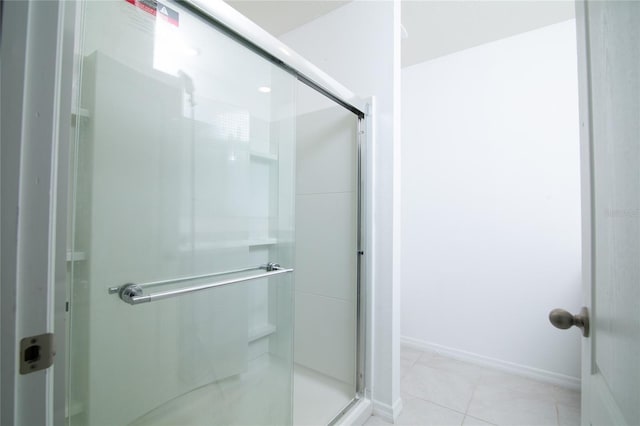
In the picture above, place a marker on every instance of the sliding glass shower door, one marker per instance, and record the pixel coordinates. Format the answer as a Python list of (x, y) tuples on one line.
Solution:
[(327, 252), (181, 245)]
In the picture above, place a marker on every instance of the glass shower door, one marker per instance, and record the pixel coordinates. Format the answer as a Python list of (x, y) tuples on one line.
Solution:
[(326, 369), (182, 224)]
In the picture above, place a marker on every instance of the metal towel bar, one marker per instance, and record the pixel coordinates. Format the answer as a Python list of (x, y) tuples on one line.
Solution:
[(133, 293)]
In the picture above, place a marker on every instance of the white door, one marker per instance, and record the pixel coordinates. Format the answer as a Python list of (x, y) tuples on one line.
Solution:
[(609, 40)]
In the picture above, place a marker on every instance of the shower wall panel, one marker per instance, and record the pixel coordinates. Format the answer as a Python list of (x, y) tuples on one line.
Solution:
[(326, 231)]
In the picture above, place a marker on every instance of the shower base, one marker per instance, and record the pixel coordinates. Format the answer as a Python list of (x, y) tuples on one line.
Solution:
[(317, 399)]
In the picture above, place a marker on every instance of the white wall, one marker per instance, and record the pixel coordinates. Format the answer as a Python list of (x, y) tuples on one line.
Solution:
[(491, 204), (358, 45)]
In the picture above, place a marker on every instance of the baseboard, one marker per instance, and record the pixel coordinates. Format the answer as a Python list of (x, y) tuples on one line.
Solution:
[(496, 364), (386, 411), (358, 414)]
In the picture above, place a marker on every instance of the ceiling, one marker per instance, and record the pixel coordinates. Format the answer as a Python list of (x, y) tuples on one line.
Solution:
[(281, 16), (437, 28), (434, 27)]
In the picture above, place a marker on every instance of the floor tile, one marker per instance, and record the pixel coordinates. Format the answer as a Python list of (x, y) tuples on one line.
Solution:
[(472, 421), (546, 391), (416, 411), (470, 371), (487, 396), (409, 354), (376, 421), (443, 387), (502, 379), (508, 406), (568, 415), (567, 397), (405, 367)]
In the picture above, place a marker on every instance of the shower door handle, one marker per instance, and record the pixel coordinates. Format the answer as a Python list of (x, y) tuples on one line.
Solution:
[(133, 294)]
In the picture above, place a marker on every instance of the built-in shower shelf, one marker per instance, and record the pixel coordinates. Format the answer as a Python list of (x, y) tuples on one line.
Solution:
[(230, 244), (265, 156), (74, 256), (261, 331), (74, 408), (82, 112), (263, 242)]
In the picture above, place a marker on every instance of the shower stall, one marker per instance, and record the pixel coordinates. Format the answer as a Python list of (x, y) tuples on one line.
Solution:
[(214, 244)]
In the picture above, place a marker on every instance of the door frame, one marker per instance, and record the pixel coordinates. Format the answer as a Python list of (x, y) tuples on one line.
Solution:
[(36, 77), (586, 193)]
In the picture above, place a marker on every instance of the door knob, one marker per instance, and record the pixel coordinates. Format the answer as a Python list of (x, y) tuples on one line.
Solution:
[(563, 320)]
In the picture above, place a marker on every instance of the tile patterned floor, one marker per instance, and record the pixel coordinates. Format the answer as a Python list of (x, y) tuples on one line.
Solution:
[(440, 391)]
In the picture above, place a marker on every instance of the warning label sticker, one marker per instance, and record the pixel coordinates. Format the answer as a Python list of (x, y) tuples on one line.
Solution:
[(157, 9)]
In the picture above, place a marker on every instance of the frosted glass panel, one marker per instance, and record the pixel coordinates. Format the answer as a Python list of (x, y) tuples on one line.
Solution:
[(182, 168)]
